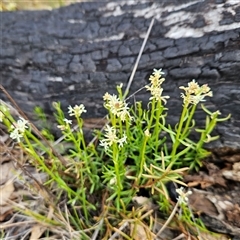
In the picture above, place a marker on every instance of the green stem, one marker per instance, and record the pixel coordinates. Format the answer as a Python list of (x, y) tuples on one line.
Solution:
[(180, 126), (118, 176), (80, 133), (205, 133), (153, 103), (83, 194), (157, 130), (37, 143), (115, 155), (189, 119), (142, 159)]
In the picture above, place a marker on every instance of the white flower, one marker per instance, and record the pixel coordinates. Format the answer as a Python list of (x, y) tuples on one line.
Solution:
[(107, 97), (195, 93), (183, 196), (123, 113), (155, 86), (192, 88), (158, 73), (61, 127), (117, 107), (147, 133), (196, 99), (67, 121), (104, 144), (122, 140), (115, 104), (111, 138), (113, 181), (15, 134), (66, 126), (20, 125), (19, 128), (77, 110), (206, 89)]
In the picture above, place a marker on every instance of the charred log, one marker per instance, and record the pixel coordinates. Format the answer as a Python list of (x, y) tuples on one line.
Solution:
[(77, 53)]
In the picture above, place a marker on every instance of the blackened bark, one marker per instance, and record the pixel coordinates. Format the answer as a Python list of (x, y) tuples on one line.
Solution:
[(77, 53)]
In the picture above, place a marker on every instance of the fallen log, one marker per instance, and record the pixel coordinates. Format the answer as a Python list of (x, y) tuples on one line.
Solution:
[(76, 53)]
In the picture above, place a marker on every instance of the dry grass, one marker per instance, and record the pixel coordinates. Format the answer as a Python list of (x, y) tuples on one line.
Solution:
[(15, 5)]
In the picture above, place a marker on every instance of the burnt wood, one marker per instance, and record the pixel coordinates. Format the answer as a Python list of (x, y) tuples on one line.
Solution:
[(76, 53)]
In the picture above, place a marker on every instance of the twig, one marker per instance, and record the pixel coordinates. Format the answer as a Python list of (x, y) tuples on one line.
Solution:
[(95, 234), (199, 234), (116, 234), (179, 237), (169, 219), (138, 59)]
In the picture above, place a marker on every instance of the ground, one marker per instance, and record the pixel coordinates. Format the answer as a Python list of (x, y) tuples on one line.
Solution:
[(215, 197)]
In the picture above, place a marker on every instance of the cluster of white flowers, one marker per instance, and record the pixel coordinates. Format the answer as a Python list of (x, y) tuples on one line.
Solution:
[(111, 137), (117, 107), (194, 93), (77, 110), (183, 196), (18, 129), (155, 86)]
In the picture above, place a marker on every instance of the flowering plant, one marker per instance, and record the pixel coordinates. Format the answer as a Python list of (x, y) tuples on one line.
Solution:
[(136, 150)]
